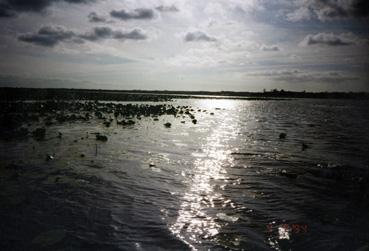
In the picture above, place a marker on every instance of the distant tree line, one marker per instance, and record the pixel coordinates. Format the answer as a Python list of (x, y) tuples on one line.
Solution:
[(156, 95)]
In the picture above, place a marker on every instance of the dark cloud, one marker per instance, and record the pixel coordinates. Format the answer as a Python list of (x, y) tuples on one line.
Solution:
[(50, 36), (135, 34), (198, 36), (329, 39), (298, 76), (6, 11), (100, 33), (10, 8), (163, 8), (332, 77), (330, 10), (269, 48), (93, 17), (27, 5), (140, 13)]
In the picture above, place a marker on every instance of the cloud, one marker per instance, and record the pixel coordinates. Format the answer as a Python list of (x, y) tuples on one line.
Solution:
[(298, 76), (10, 8), (135, 34), (140, 14), (198, 36), (93, 17), (300, 14), (330, 39), (50, 36), (269, 48), (5, 11), (170, 8), (326, 10), (100, 33)]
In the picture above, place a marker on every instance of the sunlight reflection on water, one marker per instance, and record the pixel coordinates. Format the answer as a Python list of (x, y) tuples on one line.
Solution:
[(201, 203), (217, 103)]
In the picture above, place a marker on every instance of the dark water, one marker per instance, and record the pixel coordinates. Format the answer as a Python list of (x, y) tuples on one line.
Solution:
[(225, 183)]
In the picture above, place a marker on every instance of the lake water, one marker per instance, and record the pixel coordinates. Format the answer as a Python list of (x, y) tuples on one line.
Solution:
[(226, 183)]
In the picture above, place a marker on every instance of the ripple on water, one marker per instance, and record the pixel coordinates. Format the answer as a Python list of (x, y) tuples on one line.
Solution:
[(227, 182)]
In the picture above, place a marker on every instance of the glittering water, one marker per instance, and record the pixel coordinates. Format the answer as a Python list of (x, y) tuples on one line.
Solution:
[(226, 183)]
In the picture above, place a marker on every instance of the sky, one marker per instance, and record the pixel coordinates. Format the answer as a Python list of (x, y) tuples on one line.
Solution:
[(214, 45)]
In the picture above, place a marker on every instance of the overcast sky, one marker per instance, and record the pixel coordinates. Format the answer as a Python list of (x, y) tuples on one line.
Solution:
[(240, 45)]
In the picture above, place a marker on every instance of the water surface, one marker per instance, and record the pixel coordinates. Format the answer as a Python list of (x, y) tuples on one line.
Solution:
[(227, 182)]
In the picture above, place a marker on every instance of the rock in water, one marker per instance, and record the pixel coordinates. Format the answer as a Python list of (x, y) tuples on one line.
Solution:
[(167, 125), (49, 157), (304, 147), (288, 174), (101, 137), (282, 135)]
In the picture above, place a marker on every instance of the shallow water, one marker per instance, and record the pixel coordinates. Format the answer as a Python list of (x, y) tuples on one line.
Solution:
[(225, 183)]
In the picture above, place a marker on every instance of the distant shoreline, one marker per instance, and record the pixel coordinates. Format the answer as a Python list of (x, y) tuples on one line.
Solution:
[(18, 93)]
